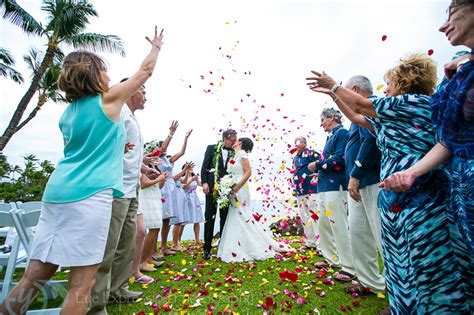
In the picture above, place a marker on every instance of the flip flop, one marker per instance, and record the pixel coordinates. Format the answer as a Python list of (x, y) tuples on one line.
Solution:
[(357, 288), (147, 268), (158, 258), (322, 264), (348, 276), (145, 280)]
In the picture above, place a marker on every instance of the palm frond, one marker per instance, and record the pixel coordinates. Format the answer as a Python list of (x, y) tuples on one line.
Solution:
[(68, 17), (6, 57), (14, 13), (97, 42), (9, 72), (33, 59), (6, 63)]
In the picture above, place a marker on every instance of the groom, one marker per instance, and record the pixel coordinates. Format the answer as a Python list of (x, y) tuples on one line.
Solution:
[(215, 163)]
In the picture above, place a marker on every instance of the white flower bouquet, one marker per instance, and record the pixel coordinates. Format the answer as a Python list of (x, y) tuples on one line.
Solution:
[(225, 191)]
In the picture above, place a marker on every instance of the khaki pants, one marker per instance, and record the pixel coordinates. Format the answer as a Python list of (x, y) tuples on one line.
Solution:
[(116, 268), (305, 204), (364, 228), (334, 238)]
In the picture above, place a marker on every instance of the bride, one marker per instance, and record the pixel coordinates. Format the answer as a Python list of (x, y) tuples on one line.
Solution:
[(243, 239)]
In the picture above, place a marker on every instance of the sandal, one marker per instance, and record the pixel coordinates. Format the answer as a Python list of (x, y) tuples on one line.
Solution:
[(157, 263), (322, 264), (343, 276), (147, 268), (145, 280), (168, 252), (358, 289), (157, 257)]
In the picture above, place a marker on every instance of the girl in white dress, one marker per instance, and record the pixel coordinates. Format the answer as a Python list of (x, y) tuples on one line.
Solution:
[(243, 239), (150, 204)]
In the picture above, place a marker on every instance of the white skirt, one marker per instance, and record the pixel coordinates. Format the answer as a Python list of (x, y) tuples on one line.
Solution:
[(73, 234), (151, 206)]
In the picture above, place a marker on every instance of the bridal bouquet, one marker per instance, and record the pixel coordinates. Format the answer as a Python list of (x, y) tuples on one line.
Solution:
[(225, 190)]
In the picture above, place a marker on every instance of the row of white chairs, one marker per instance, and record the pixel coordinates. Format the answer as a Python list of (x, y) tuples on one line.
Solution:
[(23, 217)]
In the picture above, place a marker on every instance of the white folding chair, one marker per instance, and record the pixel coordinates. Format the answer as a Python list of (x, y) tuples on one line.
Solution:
[(25, 218), (14, 258)]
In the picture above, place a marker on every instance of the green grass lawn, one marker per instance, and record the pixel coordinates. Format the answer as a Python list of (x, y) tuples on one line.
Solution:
[(188, 284)]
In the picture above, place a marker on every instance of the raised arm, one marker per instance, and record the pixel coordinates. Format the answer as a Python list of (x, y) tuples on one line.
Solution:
[(166, 142), (175, 157), (189, 180), (356, 102), (114, 99), (180, 174), (145, 182)]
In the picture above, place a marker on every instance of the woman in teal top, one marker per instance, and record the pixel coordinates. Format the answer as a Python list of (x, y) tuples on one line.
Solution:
[(93, 153), (77, 203)]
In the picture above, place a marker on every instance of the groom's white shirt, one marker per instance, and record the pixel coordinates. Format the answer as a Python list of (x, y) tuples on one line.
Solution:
[(225, 153)]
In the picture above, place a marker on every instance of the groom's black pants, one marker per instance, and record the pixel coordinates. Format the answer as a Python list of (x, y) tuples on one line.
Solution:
[(210, 216)]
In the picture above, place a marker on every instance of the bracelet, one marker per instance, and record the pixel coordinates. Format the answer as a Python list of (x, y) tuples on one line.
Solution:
[(335, 87), (336, 98), (170, 136)]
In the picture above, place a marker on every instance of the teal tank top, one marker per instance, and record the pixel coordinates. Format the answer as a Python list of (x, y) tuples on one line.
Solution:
[(93, 153)]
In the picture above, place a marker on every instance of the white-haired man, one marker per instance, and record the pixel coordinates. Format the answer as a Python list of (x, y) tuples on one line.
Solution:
[(305, 188)]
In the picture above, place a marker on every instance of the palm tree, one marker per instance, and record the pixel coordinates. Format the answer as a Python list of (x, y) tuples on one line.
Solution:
[(6, 64), (66, 21), (15, 169), (48, 87)]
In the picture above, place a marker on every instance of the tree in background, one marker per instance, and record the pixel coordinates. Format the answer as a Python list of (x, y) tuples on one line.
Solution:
[(31, 181), (48, 87), (6, 67), (66, 22)]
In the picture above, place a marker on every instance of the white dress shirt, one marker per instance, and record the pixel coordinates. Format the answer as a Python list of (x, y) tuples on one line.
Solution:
[(132, 160), (225, 154)]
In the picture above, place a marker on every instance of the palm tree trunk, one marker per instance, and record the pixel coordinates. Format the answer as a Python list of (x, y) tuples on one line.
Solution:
[(41, 101), (18, 114)]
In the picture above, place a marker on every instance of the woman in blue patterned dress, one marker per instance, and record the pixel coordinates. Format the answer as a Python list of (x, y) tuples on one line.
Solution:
[(453, 113), (420, 263)]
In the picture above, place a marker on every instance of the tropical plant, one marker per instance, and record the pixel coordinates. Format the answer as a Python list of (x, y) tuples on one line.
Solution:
[(6, 66), (66, 22), (30, 184), (48, 87)]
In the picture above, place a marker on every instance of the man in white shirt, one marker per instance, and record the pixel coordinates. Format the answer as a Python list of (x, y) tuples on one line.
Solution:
[(111, 284)]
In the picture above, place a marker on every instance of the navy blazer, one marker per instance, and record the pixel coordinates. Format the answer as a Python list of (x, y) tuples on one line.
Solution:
[(362, 156), (331, 168)]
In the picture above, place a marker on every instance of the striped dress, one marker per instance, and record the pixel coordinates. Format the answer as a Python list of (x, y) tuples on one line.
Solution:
[(453, 113), (420, 265)]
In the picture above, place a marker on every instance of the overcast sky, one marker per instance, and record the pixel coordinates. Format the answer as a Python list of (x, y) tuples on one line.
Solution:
[(253, 56)]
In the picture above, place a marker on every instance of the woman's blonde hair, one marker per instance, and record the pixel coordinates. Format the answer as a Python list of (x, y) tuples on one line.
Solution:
[(81, 75), (415, 74)]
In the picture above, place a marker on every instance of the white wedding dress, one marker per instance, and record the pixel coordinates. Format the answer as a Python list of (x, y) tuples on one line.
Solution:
[(244, 238)]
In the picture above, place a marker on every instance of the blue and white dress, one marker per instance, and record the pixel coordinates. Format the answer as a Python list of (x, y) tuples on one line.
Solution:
[(194, 205), (181, 213), (420, 264), (452, 108), (167, 191)]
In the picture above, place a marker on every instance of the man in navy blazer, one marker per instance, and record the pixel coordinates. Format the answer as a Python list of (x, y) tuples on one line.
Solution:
[(363, 160), (332, 191)]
